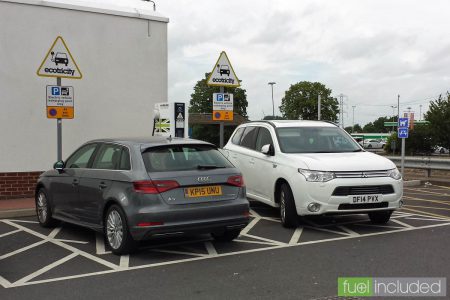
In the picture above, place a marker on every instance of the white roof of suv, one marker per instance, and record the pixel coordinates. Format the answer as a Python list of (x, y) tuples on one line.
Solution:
[(298, 123)]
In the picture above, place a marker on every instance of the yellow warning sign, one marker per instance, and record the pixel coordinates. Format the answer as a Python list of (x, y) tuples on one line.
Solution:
[(222, 115), (60, 112), (59, 62)]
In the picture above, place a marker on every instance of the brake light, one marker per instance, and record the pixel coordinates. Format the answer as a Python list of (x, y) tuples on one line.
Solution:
[(236, 180), (154, 186)]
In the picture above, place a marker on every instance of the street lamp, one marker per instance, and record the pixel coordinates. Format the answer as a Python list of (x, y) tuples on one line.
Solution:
[(393, 116), (273, 104)]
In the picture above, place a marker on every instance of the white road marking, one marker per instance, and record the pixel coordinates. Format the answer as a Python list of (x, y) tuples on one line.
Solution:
[(296, 236), (250, 226), (100, 244), (22, 249), (427, 219), (254, 214), (264, 239), (178, 252), (20, 221), (45, 269), (253, 242), (54, 232), (8, 233), (65, 246), (348, 230), (71, 241), (430, 192), (401, 223), (5, 283), (226, 254), (380, 226), (327, 230), (124, 261), (211, 249)]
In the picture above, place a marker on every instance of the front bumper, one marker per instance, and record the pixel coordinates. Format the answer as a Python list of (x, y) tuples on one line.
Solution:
[(322, 193)]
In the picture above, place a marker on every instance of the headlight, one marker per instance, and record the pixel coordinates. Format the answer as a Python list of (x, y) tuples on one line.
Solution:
[(316, 176), (395, 173)]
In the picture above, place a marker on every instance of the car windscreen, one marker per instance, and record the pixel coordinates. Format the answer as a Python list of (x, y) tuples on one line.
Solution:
[(315, 140), (183, 157)]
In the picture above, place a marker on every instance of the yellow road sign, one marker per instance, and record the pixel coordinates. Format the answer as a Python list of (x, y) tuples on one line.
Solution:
[(222, 115), (60, 112)]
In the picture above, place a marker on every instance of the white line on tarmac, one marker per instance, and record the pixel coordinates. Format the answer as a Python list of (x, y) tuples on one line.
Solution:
[(178, 252), (124, 261), (228, 254), (5, 283), (71, 241), (401, 223), (22, 249), (296, 236), (21, 221), (348, 230), (65, 246), (427, 219), (264, 239), (211, 249), (11, 232), (253, 242), (327, 230), (250, 226), (100, 244), (254, 214), (54, 233), (380, 226), (45, 269)]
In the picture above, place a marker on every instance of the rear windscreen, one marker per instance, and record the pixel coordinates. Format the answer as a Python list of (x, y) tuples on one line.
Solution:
[(183, 157)]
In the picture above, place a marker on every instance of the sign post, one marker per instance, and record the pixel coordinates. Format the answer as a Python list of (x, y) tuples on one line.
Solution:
[(402, 133), (59, 63), (222, 76)]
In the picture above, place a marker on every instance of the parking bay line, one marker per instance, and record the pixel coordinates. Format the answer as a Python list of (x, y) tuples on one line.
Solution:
[(428, 207), (226, 254), (401, 223), (427, 214), (5, 283), (8, 233), (426, 200), (428, 192), (296, 236), (65, 246), (211, 249)]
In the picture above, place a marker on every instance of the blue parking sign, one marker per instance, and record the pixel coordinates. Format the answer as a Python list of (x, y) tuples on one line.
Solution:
[(55, 91), (403, 123), (219, 97), (403, 133)]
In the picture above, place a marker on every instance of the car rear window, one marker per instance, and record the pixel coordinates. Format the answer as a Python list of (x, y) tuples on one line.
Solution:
[(183, 157)]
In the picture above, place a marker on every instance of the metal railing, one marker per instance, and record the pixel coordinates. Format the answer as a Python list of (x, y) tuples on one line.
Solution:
[(424, 163)]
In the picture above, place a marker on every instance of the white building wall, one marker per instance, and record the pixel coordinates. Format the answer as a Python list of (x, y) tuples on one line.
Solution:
[(124, 65)]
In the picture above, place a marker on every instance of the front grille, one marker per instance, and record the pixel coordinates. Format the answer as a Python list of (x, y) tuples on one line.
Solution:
[(363, 190), (347, 206), (362, 174)]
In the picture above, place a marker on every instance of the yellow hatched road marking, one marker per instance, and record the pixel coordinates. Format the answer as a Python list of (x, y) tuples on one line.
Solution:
[(426, 200), (426, 213), (429, 192), (439, 208)]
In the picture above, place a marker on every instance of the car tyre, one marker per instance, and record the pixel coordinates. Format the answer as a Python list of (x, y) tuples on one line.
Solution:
[(117, 234), (380, 217), (227, 235), (288, 211), (369, 146), (43, 209)]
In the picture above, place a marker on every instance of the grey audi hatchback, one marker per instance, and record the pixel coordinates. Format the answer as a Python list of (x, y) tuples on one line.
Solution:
[(133, 189)]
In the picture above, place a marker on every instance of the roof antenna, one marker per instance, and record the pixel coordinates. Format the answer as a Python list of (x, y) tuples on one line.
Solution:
[(154, 4)]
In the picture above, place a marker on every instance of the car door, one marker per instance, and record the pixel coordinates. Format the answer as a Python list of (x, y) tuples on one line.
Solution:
[(96, 182), (64, 187), (232, 147), (246, 157), (264, 164)]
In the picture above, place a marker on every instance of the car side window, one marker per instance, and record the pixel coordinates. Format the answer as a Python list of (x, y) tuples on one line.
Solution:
[(249, 137), (125, 160), (108, 157), (263, 138), (81, 157), (237, 136)]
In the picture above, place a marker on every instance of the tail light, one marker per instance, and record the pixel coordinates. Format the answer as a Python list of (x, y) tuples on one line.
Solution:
[(236, 180), (154, 186)]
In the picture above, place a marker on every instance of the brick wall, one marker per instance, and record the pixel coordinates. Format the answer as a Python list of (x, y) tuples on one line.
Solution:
[(18, 184)]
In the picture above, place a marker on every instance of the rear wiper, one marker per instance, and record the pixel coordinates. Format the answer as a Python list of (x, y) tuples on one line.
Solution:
[(207, 167)]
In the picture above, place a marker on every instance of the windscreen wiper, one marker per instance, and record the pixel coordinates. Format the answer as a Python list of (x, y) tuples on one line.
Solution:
[(208, 167)]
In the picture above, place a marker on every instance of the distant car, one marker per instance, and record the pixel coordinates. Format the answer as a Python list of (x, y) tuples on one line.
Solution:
[(373, 144), (132, 189), (441, 150), (313, 168)]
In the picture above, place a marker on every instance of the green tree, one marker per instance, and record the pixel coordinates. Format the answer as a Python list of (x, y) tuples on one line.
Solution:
[(419, 141), (201, 102), (349, 129), (300, 102), (273, 118), (439, 117), (201, 98), (357, 128), (378, 125)]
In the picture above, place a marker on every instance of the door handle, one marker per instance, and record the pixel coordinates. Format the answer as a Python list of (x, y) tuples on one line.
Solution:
[(102, 185), (75, 182)]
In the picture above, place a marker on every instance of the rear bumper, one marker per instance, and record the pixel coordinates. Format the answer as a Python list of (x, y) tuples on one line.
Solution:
[(182, 219)]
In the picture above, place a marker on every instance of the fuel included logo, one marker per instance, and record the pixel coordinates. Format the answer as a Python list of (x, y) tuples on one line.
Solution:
[(59, 62)]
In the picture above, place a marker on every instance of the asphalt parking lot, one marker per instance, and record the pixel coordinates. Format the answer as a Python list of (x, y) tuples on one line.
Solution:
[(266, 261)]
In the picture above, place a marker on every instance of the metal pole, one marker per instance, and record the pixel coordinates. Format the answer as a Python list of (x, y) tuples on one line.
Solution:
[(221, 125), (398, 109), (319, 107), (59, 129), (403, 158), (273, 103), (353, 126), (420, 112)]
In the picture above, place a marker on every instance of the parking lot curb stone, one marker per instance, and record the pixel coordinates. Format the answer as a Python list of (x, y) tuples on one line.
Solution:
[(16, 213)]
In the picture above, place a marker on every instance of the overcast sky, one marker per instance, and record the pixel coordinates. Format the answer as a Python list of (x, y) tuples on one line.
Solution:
[(368, 50)]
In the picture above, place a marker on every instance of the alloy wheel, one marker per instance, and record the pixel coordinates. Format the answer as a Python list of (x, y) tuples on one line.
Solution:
[(41, 204), (114, 229)]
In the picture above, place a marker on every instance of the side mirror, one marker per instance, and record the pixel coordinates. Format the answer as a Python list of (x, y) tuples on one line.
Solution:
[(268, 150), (59, 165)]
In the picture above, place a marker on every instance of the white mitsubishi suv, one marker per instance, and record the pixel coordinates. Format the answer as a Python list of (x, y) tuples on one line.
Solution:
[(313, 168)]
